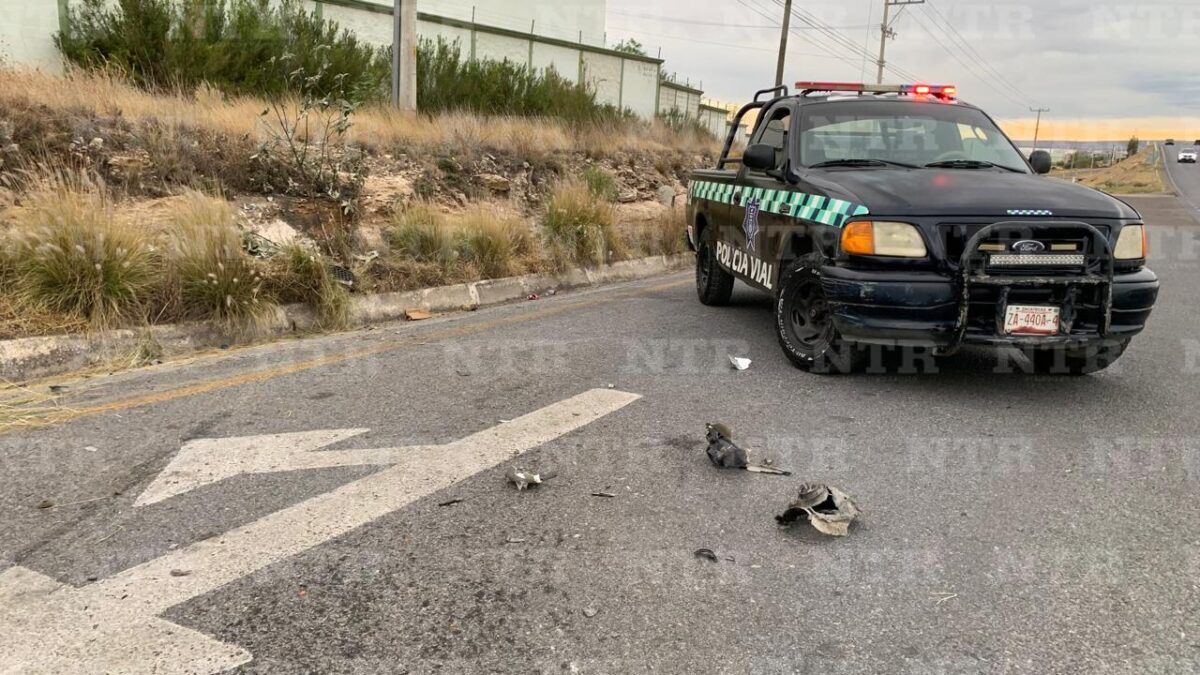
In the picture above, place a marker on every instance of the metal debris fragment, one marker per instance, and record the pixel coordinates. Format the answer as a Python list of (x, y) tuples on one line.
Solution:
[(723, 452), (826, 508), (524, 479)]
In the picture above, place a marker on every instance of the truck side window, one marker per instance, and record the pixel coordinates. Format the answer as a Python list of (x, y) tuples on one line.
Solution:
[(774, 132)]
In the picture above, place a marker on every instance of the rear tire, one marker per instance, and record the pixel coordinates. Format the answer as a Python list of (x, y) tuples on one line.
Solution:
[(1079, 361), (804, 322), (714, 286)]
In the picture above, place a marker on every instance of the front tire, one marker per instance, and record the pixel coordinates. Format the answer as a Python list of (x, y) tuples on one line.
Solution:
[(1078, 361), (804, 322), (714, 286)]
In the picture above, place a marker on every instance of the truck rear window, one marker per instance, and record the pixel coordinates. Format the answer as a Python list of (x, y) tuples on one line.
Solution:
[(904, 132)]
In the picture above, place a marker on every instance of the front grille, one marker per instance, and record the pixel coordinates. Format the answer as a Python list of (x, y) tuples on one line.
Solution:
[(1055, 239)]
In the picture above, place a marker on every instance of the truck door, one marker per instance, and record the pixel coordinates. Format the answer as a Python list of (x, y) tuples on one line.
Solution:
[(757, 224)]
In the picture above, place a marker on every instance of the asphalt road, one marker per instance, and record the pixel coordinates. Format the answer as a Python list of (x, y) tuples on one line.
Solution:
[(1011, 523), (1186, 177)]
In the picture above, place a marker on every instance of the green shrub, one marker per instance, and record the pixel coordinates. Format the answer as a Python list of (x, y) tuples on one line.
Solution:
[(69, 255), (579, 226), (448, 82), (422, 234), (238, 46), (210, 277), (601, 183), (300, 275)]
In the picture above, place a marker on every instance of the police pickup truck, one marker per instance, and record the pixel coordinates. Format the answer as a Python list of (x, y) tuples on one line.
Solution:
[(897, 215)]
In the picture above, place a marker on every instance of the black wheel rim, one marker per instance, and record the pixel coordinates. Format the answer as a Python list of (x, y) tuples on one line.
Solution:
[(704, 266), (808, 317)]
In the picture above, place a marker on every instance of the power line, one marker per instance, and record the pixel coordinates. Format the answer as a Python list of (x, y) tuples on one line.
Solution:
[(843, 41), (967, 66), (731, 45), (699, 22), (971, 51), (816, 42)]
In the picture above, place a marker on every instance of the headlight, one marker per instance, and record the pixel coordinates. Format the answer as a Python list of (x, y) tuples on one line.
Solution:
[(899, 240), (1131, 245)]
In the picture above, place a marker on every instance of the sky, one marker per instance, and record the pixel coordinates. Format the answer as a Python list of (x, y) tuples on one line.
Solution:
[(1106, 69)]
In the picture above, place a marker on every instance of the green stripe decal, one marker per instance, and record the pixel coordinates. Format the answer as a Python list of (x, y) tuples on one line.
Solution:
[(803, 206)]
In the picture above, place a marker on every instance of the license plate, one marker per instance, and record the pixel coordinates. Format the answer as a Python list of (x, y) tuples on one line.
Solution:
[(1031, 320)]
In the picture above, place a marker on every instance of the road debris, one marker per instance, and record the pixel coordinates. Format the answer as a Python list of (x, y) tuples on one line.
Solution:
[(826, 508), (58, 388), (514, 540), (450, 502), (180, 573), (416, 315), (706, 553), (723, 452), (524, 479), (45, 504), (92, 448), (533, 296), (589, 612), (609, 495), (738, 362)]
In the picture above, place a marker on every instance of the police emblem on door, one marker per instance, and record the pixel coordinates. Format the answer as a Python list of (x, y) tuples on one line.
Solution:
[(750, 225)]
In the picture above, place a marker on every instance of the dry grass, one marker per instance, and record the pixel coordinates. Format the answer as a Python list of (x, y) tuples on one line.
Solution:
[(1132, 175), (580, 226), (69, 255), (482, 242), (208, 275), (662, 235), (23, 408), (375, 127)]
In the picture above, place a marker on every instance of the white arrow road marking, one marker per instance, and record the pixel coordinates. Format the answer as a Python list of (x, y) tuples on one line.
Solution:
[(210, 460), (112, 625)]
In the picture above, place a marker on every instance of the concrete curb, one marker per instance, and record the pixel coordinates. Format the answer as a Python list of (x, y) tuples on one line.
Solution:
[(37, 357)]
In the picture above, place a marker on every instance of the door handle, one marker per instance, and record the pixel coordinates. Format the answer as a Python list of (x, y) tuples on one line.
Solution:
[(785, 209)]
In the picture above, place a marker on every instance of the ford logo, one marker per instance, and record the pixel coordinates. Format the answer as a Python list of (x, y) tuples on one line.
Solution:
[(1028, 246)]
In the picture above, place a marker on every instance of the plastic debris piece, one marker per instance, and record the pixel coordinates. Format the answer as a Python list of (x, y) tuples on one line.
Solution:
[(522, 478), (738, 362), (450, 502), (706, 553), (723, 452), (826, 508), (533, 296), (603, 494), (92, 448), (416, 314)]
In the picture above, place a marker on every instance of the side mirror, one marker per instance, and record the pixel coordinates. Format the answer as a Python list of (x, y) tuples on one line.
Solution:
[(1040, 161), (759, 157)]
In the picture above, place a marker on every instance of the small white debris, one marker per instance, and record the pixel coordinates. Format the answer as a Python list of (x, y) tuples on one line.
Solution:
[(738, 362), (92, 448)]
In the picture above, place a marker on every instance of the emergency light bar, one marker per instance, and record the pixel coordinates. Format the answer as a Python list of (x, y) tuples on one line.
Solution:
[(944, 91)]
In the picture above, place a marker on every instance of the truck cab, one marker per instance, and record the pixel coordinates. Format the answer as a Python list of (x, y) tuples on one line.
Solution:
[(898, 215)]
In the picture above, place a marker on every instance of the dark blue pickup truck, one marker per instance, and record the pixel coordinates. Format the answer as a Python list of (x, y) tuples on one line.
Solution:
[(898, 215)]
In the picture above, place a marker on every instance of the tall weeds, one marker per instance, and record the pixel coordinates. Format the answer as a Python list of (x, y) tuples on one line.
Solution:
[(580, 226), (68, 254)]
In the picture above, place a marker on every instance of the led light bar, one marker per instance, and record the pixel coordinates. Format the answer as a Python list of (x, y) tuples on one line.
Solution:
[(946, 91), (1037, 260)]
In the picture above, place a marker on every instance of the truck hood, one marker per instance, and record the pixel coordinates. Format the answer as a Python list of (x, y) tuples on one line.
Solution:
[(967, 193)]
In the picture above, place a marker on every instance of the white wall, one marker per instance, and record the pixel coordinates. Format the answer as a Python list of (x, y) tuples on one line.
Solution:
[(715, 121), (27, 28)]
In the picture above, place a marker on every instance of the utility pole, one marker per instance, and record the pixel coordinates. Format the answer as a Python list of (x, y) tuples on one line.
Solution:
[(1038, 126), (783, 38), (404, 55), (885, 30)]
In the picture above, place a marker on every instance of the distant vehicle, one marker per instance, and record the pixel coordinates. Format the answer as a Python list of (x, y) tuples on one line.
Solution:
[(1187, 156), (1170, 141), (1196, 143), (897, 215)]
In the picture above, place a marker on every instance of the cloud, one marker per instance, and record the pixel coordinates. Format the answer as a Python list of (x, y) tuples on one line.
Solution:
[(1086, 60)]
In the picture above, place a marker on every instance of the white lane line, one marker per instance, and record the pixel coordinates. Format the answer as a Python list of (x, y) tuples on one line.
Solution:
[(112, 625)]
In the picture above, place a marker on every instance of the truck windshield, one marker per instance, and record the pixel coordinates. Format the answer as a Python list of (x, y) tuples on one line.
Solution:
[(903, 133)]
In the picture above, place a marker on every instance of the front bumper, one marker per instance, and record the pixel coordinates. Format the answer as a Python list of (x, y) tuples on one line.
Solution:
[(923, 309)]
